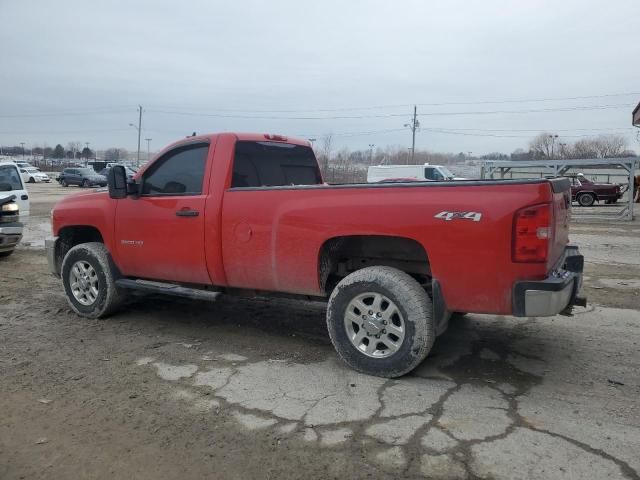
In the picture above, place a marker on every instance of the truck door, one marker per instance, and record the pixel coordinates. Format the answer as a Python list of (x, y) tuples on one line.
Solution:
[(160, 234)]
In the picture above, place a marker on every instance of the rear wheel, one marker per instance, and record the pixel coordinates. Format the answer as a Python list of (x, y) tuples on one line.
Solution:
[(380, 321), (85, 184), (32, 180), (586, 199), (88, 279)]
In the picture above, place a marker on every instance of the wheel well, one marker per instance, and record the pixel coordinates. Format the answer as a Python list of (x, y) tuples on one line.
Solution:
[(71, 236), (341, 256)]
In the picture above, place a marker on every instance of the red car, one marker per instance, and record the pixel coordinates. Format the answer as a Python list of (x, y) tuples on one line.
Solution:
[(250, 214), (586, 193)]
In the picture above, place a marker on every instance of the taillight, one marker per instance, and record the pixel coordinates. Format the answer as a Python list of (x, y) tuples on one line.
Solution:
[(532, 234)]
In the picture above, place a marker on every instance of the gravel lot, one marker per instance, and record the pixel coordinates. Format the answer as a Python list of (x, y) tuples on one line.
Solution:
[(252, 388)]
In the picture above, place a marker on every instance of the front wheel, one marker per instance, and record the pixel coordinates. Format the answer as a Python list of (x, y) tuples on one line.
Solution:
[(6, 254), (32, 180), (64, 183), (85, 184), (380, 321), (89, 282)]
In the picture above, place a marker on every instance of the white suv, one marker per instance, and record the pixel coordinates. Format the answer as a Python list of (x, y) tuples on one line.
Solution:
[(14, 207)]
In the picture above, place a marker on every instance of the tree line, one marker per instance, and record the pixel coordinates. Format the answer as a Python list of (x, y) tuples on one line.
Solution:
[(72, 151)]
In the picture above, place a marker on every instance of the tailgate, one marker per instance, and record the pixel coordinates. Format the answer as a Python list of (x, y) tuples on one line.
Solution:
[(561, 200)]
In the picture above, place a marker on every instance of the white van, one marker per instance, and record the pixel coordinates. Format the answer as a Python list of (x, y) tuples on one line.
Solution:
[(409, 173), (12, 192)]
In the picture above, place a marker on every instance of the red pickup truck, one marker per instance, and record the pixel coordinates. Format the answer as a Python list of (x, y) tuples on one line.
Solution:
[(250, 214)]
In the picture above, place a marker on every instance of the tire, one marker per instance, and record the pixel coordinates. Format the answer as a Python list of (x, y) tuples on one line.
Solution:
[(64, 183), (6, 254), (84, 184), (414, 314), (106, 297), (586, 199), (32, 180)]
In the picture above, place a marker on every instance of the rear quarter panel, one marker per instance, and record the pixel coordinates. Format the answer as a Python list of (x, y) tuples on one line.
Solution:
[(271, 238)]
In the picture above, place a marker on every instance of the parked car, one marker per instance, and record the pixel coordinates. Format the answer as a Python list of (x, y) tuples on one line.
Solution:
[(252, 215), (14, 208), (33, 175), (586, 193), (105, 171), (83, 177), (421, 173)]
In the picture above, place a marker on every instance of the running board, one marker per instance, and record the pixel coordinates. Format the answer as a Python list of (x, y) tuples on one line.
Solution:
[(166, 289)]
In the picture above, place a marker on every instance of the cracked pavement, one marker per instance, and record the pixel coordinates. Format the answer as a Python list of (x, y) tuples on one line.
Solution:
[(252, 389)]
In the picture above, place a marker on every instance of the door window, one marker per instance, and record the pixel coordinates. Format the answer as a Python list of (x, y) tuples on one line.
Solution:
[(178, 172), (431, 173)]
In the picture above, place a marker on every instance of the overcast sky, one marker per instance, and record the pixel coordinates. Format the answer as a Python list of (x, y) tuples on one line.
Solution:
[(75, 70)]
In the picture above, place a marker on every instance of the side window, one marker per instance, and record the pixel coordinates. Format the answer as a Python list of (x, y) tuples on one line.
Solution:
[(429, 173), (179, 172), (272, 164)]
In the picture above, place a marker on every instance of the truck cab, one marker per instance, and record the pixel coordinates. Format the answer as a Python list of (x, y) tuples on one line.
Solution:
[(14, 201)]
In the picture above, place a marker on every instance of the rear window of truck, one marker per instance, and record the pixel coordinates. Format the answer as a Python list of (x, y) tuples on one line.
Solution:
[(273, 164)]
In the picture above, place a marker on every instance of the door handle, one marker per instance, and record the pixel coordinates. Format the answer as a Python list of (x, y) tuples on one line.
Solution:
[(187, 213)]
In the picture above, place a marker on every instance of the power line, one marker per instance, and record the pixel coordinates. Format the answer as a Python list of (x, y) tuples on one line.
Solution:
[(387, 115), (401, 105), (65, 113)]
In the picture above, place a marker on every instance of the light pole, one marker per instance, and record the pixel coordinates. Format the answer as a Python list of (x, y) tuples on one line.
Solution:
[(139, 128), (371, 145), (562, 150), (148, 148), (553, 144), (22, 144)]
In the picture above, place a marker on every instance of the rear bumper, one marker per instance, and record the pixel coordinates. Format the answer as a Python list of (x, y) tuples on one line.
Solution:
[(558, 293)]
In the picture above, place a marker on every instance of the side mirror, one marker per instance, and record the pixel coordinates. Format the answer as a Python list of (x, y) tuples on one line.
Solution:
[(117, 182)]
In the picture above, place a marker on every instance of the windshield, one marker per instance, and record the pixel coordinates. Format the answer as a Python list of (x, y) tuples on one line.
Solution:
[(9, 175), (32, 170), (446, 172)]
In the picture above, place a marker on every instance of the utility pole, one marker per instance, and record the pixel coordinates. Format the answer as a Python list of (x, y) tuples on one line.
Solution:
[(22, 144), (413, 126), (371, 145), (139, 131), (148, 148), (86, 160)]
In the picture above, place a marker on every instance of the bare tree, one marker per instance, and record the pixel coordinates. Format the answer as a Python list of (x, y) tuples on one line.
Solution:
[(609, 146), (542, 145), (324, 154)]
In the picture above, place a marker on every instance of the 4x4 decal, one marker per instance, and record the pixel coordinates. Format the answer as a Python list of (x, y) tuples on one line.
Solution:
[(475, 216)]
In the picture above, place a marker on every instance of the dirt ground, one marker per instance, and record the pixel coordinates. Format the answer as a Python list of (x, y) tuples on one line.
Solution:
[(243, 388)]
